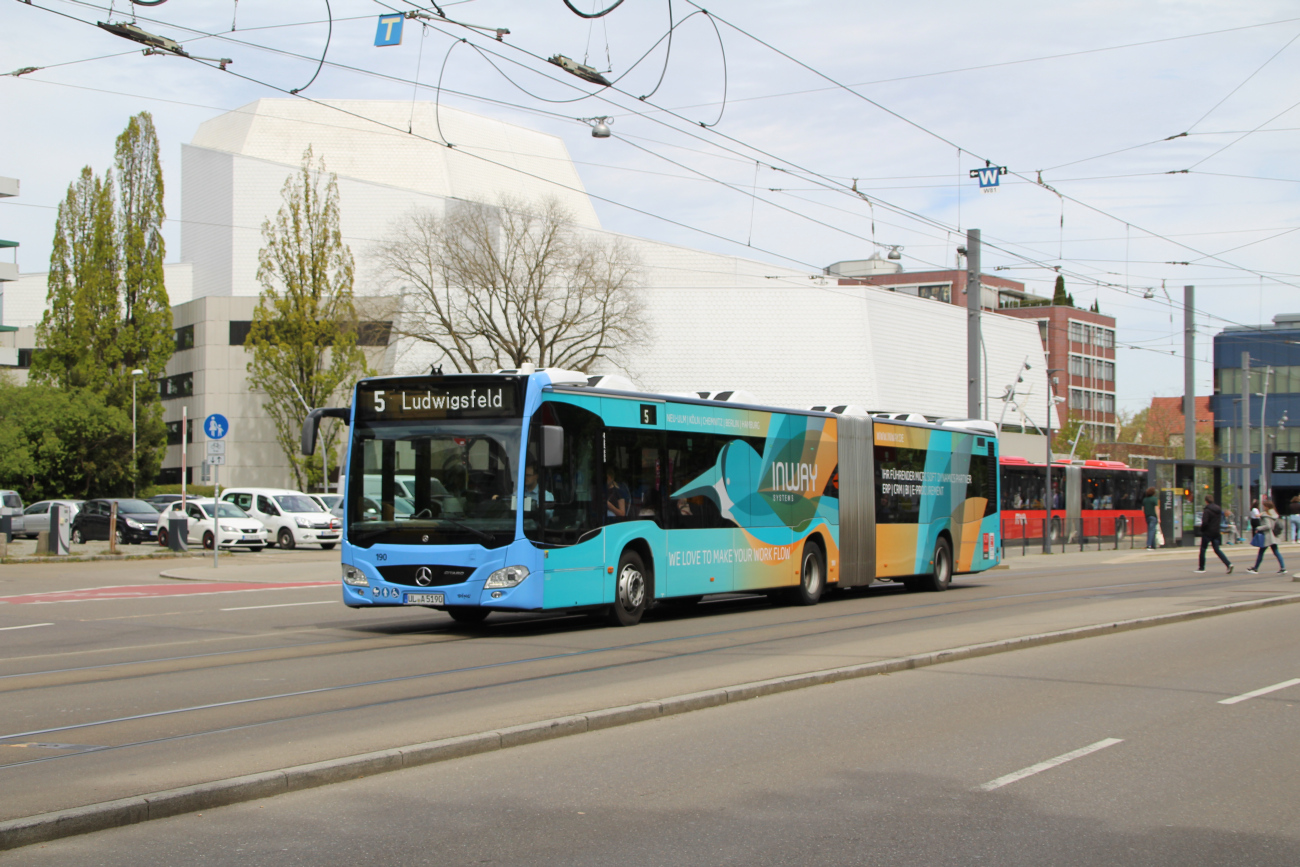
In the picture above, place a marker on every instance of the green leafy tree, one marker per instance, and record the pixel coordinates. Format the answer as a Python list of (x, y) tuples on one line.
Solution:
[(57, 442), (145, 337), (304, 333), (107, 311), (1064, 440), (81, 313), (1059, 297)]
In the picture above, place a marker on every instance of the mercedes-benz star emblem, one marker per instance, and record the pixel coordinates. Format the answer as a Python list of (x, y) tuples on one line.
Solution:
[(424, 576)]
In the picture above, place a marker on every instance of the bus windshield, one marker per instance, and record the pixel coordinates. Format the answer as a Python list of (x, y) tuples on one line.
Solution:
[(436, 482)]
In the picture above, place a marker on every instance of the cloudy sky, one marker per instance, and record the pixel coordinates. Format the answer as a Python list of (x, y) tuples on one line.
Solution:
[(1164, 132)]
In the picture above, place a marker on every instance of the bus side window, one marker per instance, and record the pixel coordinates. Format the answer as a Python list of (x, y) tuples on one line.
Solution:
[(634, 456), (690, 455)]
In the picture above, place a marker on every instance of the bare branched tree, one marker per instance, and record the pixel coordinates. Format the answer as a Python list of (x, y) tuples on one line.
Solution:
[(493, 287)]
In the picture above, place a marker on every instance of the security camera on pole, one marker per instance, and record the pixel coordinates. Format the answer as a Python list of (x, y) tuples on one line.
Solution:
[(216, 427)]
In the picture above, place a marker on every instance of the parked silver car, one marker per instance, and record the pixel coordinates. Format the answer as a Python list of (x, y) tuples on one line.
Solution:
[(36, 517)]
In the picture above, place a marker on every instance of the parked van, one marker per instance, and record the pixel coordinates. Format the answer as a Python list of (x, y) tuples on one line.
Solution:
[(291, 517)]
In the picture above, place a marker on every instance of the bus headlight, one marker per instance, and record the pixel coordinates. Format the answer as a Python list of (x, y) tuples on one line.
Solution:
[(507, 577), (352, 575)]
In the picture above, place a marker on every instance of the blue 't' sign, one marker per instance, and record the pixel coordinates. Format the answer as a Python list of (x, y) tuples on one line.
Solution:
[(390, 30), (216, 426)]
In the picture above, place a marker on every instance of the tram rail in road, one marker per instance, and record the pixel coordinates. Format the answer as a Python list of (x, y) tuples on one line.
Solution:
[(518, 671)]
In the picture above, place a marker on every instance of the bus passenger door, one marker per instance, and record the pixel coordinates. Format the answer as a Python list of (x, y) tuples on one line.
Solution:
[(700, 538), (633, 482)]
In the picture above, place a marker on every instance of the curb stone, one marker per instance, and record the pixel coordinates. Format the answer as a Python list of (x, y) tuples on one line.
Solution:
[(158, 805)]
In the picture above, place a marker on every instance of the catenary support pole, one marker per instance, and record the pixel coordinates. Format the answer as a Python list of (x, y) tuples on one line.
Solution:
[(1244, 517), (973, 295), (1189, 373)]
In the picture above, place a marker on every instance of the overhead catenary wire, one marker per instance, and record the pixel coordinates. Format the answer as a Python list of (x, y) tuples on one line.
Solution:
[(913, 215), (1257, 71)]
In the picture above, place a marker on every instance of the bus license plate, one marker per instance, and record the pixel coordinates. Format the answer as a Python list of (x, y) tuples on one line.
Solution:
[(425, 598)]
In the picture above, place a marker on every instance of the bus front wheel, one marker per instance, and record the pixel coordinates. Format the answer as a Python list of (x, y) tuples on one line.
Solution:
[(631, 591), (468, 613), (812, 577)]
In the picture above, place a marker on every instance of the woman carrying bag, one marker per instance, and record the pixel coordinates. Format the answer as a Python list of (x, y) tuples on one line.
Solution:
[(1264, 526)]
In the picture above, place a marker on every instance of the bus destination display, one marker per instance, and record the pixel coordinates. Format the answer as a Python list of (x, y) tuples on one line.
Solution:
[(395, 400)]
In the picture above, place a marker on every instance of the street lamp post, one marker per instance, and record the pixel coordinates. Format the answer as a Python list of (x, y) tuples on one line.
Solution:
[(1047, 491), (135, 465)]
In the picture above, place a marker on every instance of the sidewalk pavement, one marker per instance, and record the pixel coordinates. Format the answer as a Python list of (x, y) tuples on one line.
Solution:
[(1242, 557)]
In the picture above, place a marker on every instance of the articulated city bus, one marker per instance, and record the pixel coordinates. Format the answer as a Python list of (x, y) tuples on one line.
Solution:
[(533, 490), (1089, 498)]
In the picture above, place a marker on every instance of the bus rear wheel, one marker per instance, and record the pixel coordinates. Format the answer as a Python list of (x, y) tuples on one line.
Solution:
[(940, 577), (631, 591), (812, 576)]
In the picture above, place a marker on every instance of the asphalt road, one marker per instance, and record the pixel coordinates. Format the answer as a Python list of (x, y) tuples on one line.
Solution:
[(184, 682), (1112, 750)]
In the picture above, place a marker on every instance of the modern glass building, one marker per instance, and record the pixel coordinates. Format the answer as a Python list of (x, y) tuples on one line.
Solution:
[(1274, 398)]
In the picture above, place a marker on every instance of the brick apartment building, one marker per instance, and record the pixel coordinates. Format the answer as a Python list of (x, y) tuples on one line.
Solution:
[(1079, 343)]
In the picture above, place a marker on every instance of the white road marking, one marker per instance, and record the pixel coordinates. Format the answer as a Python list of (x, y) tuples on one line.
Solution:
[(1047, 765), (28, 626), (283, 605), (1263, 691)]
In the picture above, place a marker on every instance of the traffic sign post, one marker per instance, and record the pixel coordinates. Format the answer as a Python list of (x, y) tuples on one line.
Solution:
[(216, 427)]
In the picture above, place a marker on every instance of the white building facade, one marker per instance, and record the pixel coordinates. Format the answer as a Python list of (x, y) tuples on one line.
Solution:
[(716, 321)]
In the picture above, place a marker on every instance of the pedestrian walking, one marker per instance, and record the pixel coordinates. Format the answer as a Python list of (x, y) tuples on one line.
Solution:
[(1211, 533), (1151, 512), (1266, 526), (1293, 517)]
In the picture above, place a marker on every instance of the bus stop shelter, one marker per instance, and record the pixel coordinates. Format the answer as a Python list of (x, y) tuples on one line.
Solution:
[(1182, 485)]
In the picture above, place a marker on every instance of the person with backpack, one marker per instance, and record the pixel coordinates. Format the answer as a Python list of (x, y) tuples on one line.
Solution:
[(1211, 533), (1266, 526)]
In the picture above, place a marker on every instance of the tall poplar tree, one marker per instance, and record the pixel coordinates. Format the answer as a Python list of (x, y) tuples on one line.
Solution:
[(145, 336), (78, 331), (304, 332), (107, 311)]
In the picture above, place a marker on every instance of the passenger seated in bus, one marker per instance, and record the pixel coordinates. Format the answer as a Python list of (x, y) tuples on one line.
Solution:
[(617, 498), (686, 517)]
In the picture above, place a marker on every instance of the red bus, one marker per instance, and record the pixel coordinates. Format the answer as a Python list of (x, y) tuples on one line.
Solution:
[(1089, 498)]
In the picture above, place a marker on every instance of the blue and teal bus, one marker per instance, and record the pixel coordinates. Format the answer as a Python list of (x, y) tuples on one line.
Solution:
[(534, 490)]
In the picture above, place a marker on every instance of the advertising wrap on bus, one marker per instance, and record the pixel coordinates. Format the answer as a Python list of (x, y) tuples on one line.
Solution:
[(472, 493), (926, 479)]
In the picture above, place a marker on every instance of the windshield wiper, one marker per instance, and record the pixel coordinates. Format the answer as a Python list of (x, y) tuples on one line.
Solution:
[(360, 535)]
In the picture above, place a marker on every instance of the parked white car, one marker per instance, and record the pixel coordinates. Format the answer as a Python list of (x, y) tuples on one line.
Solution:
[(291, 517), (235, 528), (36, 517)]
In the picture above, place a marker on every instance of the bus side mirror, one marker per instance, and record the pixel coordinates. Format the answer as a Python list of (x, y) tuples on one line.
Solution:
[(312, 423), (552, 445)]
